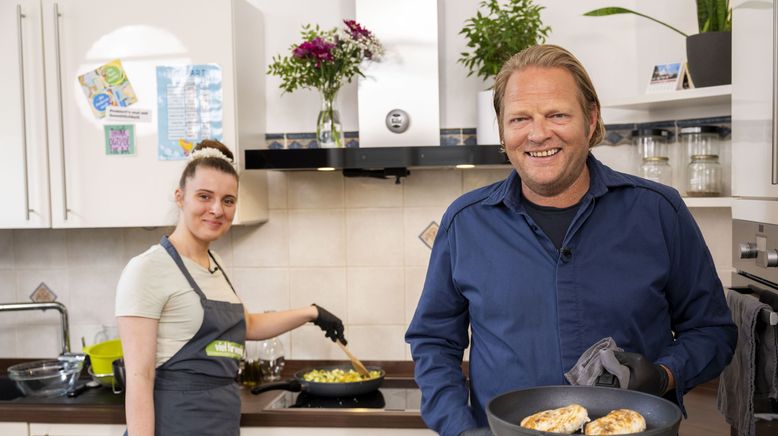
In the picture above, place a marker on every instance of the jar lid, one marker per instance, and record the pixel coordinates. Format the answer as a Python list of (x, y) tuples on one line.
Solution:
[(705, 157), (651, 132), (700, 129), (656, 159)]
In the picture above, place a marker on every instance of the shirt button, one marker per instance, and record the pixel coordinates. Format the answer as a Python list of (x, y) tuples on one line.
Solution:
[(566, 254)]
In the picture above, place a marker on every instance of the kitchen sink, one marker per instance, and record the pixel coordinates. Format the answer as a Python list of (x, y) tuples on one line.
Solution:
[(8, 389)]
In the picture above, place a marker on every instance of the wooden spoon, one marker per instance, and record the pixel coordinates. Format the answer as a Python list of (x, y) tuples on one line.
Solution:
[(354, 361)]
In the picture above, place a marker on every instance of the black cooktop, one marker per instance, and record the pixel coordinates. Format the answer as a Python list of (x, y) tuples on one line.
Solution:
[(397, 399)]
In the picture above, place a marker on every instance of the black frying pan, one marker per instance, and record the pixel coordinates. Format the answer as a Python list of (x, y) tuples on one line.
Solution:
[(506, 411), (298, 384)]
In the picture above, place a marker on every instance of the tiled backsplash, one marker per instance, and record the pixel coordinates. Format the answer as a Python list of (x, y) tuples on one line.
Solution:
[(349, 244)]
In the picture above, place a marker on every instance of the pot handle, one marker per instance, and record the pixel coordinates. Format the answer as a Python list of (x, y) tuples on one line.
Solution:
[(292, 385)]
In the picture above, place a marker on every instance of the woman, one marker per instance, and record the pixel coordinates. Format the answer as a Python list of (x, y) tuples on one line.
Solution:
[(182, 326)]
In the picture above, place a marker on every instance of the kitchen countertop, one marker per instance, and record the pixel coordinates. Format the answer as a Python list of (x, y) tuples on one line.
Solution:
[(101, 406)]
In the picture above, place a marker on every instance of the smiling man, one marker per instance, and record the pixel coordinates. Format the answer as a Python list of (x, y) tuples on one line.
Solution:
[(562, 253)]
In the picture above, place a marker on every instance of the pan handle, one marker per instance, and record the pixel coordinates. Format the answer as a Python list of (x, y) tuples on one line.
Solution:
[(293, 385)]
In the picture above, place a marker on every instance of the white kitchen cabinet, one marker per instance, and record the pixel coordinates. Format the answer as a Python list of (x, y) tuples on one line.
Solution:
[(14, 429), (23, 158), (76, 429), (84, 186)]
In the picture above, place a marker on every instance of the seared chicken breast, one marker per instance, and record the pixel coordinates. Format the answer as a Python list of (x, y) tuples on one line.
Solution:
[(621, 421), (565, 420)]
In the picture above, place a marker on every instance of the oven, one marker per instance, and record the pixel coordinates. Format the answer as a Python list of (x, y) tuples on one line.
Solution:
[(755, 263)]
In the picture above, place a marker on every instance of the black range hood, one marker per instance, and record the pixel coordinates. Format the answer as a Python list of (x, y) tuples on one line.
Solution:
[(375, 158)]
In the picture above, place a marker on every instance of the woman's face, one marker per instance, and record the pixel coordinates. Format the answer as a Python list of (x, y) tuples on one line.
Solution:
[(208, 203)]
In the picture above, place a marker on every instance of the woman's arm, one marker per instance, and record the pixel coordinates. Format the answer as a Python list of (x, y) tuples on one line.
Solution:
[(139, 343), (260, 326)]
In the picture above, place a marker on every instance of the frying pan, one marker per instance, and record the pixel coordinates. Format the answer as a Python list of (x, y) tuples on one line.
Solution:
[(506, 411), (298, 384)]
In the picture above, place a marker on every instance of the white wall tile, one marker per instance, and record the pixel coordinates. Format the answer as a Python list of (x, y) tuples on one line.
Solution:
[(370, 192), (8, 320), (432, 187), (223, 247), (716, 227), (40, 248), (374, 237), (262, 289), (476, 178), (95, 247), (317, 237), (416, 219), (323, 286), (414, 283), (39, 334), (277, 188), (376, 296), (93, 294), (56, 279), (138, 240), (377, 342), (6, 249), (315, 189), (309, 342), (266, 244)]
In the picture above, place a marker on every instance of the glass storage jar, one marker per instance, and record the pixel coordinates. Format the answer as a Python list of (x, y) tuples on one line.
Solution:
[(700, 140), (704, 176), (651, 142), (658, 169)]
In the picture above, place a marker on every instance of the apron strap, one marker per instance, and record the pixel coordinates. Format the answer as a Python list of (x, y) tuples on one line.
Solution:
[(224, 273), (165, 242)]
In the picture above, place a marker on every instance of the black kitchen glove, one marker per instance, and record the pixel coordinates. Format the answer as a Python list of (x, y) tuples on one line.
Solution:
[(644, 376), (331, 324), (480, 431)]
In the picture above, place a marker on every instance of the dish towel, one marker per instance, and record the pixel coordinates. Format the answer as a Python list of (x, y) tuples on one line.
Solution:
[(735, 399), (766, 384), (594, 361)]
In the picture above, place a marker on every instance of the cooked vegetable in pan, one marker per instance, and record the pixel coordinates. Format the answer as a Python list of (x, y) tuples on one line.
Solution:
[(337, 376)]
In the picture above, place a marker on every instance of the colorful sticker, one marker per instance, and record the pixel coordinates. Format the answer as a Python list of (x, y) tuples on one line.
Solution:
[(189, 107), (220, 348), (120, 139), (107, 86)]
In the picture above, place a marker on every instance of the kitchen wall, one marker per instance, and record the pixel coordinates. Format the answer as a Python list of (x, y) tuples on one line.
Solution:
[(351, 245)]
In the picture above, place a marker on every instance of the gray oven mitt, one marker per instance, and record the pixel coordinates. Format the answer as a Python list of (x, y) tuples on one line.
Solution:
[(595, 361)]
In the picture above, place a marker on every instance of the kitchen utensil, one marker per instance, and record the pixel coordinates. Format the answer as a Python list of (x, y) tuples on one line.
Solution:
[(118, 376), (356, 363), (506, 411), (102, 355), (299, 384), (80, 389), (46, 378)]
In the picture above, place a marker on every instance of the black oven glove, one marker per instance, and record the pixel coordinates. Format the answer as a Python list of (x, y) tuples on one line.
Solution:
[(480, 431), (330, 324), (644, 376)]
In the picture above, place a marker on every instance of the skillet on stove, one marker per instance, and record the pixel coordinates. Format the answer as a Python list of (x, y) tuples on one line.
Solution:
[(506, 411), (299, 384)]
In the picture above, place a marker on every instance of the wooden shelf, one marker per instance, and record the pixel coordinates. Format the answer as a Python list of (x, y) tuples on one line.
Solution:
[(692, 202), (668, 100)]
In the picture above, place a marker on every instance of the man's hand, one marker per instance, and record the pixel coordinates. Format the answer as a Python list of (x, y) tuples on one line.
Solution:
[(480, 431), (644, 376), (330, 324)]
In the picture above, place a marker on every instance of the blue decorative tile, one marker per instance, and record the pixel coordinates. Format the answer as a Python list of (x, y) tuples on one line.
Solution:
[(470, 139), (427, 236), (301, 140), (469, 131), (275, 141), (450, 131), (613, 138), (352, 143), (449, 140)]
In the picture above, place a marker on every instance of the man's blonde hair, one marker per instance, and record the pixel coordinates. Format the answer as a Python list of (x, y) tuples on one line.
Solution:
[(551, 56)]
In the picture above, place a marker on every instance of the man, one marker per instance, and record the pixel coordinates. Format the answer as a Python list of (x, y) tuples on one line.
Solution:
[(562, 253)]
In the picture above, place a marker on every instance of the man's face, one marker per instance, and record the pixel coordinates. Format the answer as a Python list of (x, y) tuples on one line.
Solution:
[(545, 132)]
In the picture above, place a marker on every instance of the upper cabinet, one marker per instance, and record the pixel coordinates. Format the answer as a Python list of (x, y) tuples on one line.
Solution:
[(84, 185)]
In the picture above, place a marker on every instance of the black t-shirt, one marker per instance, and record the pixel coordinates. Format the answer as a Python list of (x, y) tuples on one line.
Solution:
[(554, 221)]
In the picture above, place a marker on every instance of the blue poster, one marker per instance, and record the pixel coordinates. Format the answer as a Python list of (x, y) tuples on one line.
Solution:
[(189, 103)]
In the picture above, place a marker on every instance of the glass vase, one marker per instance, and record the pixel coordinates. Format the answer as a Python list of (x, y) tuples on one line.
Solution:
[(329, 131)]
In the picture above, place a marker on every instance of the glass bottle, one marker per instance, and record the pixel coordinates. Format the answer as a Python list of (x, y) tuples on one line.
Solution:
[(658, 169), (651, 142), (250, 373), (270, 354), (704, 176), (700, 140)]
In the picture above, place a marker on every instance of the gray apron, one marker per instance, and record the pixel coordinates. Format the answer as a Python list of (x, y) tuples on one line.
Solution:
[(195, 392)]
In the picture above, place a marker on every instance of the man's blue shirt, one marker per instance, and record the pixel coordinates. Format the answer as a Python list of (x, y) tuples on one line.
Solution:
[(633, 265)]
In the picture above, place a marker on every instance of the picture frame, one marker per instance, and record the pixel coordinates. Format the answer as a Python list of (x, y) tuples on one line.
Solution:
[(669, 77)]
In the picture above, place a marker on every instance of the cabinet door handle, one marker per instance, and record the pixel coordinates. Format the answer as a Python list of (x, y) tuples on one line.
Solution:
[(775, 92), (61, 107), (23, 109)]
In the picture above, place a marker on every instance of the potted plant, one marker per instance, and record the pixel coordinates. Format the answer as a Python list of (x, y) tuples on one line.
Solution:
[(497, 32), (708, 53)]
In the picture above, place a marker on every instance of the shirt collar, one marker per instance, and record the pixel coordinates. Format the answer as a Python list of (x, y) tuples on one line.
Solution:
[(601, 180)]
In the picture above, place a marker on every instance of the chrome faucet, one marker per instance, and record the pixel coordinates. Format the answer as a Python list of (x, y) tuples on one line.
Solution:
[(63, 312)]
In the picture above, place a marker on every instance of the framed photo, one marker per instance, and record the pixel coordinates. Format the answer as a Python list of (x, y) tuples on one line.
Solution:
[(668, 78)]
